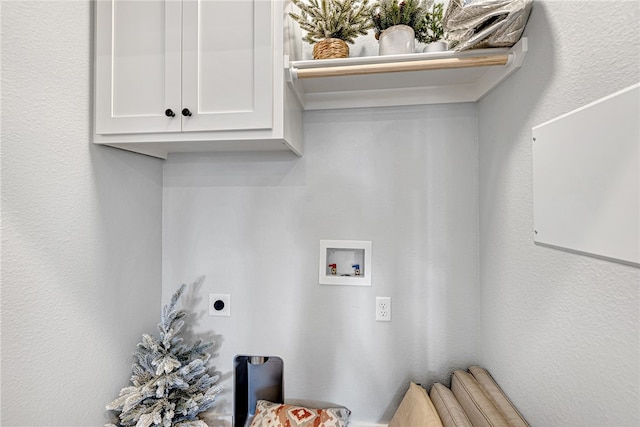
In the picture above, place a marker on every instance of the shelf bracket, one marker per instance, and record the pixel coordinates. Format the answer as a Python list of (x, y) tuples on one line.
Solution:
[(291, 73)]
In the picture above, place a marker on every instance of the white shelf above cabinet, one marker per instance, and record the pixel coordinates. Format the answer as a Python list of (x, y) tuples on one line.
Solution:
[(413, 79)]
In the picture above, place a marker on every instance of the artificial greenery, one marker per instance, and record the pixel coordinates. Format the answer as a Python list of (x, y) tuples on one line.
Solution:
[(387, 13), (431, 29), (339, 19), (170, 380)]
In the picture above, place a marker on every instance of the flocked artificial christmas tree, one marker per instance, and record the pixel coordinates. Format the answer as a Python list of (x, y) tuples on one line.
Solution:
[(171, 385)]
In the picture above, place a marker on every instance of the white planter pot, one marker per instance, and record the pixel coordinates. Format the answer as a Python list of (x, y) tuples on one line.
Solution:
[(397, 40), (438, 46)]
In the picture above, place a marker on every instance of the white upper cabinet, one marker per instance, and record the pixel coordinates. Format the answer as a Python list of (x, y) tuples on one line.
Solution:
[(193, 75)]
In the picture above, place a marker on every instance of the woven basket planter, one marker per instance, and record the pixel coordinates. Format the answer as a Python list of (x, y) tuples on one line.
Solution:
[(330, 48)]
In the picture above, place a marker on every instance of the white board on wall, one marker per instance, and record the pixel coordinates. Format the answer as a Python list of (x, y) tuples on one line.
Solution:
[(586, 179)]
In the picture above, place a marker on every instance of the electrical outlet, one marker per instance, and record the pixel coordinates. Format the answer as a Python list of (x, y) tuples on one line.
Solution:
[(219, 305), (383, 309)]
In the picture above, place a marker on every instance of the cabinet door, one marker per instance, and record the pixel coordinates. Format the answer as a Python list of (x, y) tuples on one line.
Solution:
[(227, 64), (137, 66)]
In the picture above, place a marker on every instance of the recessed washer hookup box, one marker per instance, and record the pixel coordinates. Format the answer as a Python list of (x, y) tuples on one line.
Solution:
[(255, 378)]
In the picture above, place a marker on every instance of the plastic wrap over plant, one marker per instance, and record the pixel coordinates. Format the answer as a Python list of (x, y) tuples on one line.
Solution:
[(485, 23)]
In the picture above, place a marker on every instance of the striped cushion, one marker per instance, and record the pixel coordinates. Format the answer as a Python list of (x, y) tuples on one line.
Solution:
[(478, 407), (449, 409), (497, 397)]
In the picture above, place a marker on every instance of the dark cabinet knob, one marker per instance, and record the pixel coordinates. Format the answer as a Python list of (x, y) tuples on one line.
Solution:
[(186, 112), (169, 113)]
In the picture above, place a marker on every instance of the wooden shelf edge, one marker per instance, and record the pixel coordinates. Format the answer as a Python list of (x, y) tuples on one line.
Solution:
[(408, 62), (381, 59), (395, 67)]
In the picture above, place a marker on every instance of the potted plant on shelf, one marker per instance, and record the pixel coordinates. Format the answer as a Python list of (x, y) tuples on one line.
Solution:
[(331, 24), (396, 24), (431, 30)]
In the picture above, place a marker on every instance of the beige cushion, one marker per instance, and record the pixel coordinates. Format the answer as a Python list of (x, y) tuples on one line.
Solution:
[(449, 409), (416, 410), (497, 397), (480, 410)]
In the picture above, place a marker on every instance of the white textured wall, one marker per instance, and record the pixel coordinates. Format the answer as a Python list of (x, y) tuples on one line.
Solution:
[(404, 178), (81, 229), (559, 331)]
